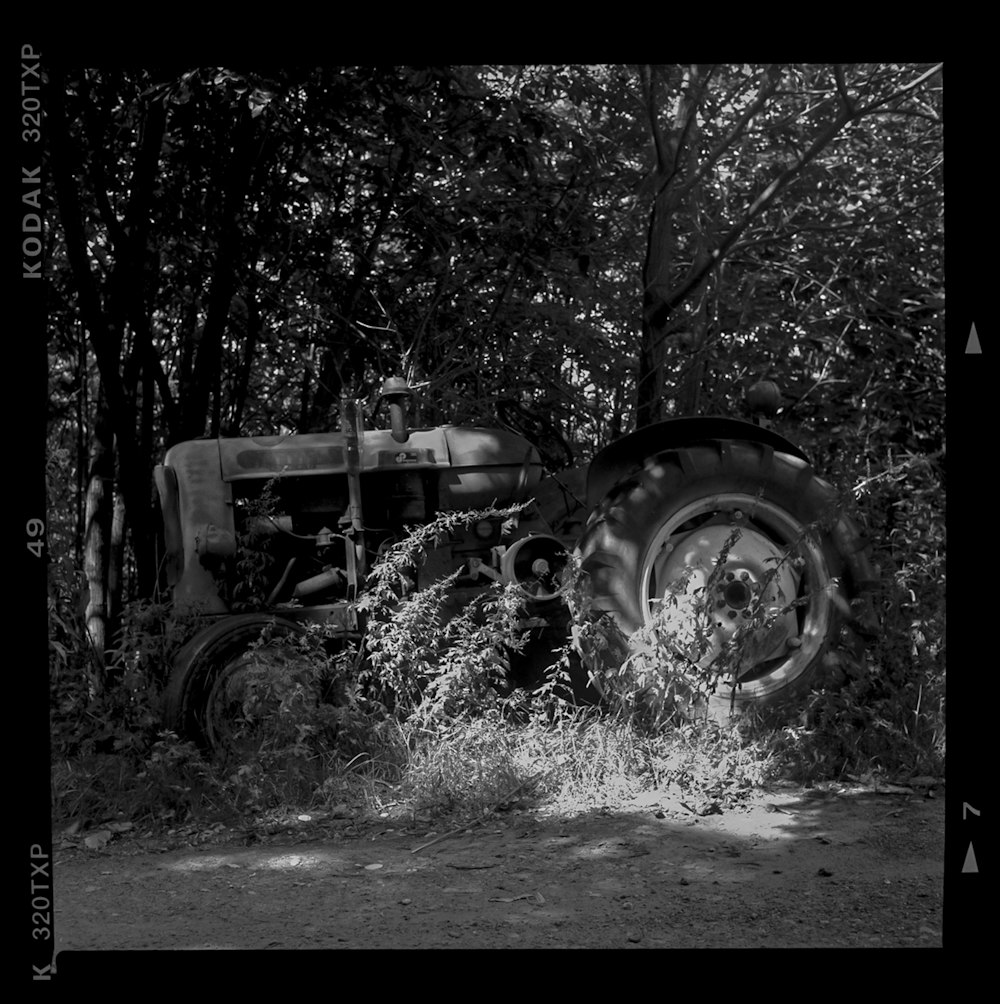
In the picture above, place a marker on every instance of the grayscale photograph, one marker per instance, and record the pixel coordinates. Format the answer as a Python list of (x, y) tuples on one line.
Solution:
[(489, 506)]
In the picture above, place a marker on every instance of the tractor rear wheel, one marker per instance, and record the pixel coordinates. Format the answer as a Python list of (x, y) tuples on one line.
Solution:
[(731, 554)]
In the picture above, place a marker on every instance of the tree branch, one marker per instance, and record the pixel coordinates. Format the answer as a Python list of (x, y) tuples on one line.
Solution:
[(905, 89), (770, 83), (711, 260), (646, 78), (838, 76)]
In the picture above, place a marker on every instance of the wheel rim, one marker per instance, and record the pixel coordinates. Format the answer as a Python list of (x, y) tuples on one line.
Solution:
[(760, 619)]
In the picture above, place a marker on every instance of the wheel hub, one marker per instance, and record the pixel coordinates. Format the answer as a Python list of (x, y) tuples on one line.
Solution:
[(736, 595), (703, 606)]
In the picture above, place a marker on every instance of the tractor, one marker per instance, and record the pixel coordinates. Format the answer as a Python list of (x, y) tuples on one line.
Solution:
[(707, 519)]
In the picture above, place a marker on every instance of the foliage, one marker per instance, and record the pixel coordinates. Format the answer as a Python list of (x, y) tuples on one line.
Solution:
[(85, 720), (109, 752), (422, 654), (893, 720), (464, 766), (255, 561)]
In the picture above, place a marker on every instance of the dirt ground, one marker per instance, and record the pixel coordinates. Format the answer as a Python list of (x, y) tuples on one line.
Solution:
[(837, 866)]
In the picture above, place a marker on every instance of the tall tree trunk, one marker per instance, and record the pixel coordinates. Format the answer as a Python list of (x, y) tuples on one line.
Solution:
[(346, 355), (82, 413), (308, 376), (241, 387), (207, 372), (97, 533), (675, 183), (116, 569), (688, 393), (653, 349), (676, 152)]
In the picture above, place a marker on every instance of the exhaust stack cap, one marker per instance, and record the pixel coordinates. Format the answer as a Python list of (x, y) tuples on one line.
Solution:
[(764, 398)]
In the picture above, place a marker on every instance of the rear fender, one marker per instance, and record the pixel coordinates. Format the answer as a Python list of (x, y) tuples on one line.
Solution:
[(627, 454)]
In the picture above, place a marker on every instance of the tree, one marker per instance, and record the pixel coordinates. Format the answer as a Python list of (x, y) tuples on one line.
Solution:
[(108, 133), (740, 143)]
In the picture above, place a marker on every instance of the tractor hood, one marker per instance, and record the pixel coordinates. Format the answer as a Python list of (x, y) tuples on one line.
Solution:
[(326, 453)]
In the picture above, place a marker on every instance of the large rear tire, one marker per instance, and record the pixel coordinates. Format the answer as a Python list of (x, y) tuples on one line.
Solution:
[(769, 621)]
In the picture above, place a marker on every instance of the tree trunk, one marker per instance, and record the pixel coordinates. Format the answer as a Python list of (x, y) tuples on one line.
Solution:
[(346, 355), (251, 336), (208, 361), (97, 534), (688, 392), (116, 570), (676, 158), (676, 183), (82, 413), (653, 349)]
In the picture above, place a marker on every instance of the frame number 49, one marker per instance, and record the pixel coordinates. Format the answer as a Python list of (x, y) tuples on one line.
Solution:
[(35, 529)]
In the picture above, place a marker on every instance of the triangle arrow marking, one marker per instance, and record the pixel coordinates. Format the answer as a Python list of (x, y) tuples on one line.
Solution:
[(970, 861), (972, 346)]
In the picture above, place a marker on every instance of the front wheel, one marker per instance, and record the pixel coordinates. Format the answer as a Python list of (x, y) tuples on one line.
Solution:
[(729, 556), (236, 685)]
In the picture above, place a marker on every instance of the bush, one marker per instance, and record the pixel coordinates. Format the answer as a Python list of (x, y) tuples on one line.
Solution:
[(110, 754), (423, 656), (891, 722)]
